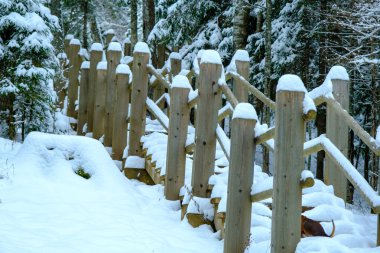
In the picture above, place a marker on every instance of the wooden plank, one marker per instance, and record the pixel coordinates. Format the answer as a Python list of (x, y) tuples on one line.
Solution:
[(74, 67), (157, 113), (159, 77), (223, 141), (355, 126), (269, 134), (175, 66), (113, 59), (138, 102), (177, 134), (337, 132), (95, 58), (289, 162), (83, 98), (230, 95), (258, 94), (207, 118), (121, 109), (240, 179), (242, 68), (60, 86), (100, 100), (127, 48)]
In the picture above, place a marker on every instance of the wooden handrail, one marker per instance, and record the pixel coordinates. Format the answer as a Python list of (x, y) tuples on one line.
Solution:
[(351, 122), (258, 94), (156, 111), (159, 77), (224, 141), (229, 94)]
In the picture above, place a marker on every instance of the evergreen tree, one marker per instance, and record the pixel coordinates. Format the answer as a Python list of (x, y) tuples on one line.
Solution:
[(27, 66)]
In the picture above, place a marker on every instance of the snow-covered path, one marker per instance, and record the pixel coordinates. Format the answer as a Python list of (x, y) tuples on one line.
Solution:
[(46, 207)]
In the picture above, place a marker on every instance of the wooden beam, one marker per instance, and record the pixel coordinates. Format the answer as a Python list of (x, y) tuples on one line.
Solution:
[(159, 77), (258, 94), (230, 95), (100, 100), (269, 134), (83, 98), (157, 113)]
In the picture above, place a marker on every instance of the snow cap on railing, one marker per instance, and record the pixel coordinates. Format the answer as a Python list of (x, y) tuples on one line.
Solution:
[(180, 81), (74, 42), (110, 31), (102, 65), (96, 47), (85, 65), (211, 56), (195, 62), (141, 47), (123, 69), (69, 37), (240, 55), (294, 83), (338, 72), (290, 83), (127, 40), (114, 46), (244, 111), (175, 55)]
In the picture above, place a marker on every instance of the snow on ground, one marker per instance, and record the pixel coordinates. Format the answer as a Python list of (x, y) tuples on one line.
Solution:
[(46, 207)]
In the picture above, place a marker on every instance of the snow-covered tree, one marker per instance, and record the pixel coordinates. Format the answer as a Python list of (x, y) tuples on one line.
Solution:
[(27, 66)]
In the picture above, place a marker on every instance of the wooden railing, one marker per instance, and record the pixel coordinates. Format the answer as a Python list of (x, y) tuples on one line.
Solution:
[(106, 96)]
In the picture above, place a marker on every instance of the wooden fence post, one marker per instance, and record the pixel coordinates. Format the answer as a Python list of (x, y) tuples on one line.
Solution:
[(207, 119), (141, 57), (175, 64), (75, 62), (96, 55), (127, 47), (177, 134), (83, 97), (240, 179), (159, 90), (289, 163), (109, 36), (337, 130), (68, 38), (113, 59), (242, 68), (100, 100), (120, 131)]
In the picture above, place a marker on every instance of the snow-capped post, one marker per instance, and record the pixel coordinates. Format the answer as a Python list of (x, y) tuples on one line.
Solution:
[(127, 47), (177, 134), (289, 163), (68, 38), (95, 57), (74, 66), (83, 97), (175, 64), (161, 55), (242, 68), (109, 36), (141, 55), (113, 59), (240, 179), (337, 129), (100, 100), (120, 131), (206, 123)]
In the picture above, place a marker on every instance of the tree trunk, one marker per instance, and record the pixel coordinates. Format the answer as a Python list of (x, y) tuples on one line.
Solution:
[(267, 74), (95, 31), (321, 114), (85, 18), (133, 22), (240, 24)]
